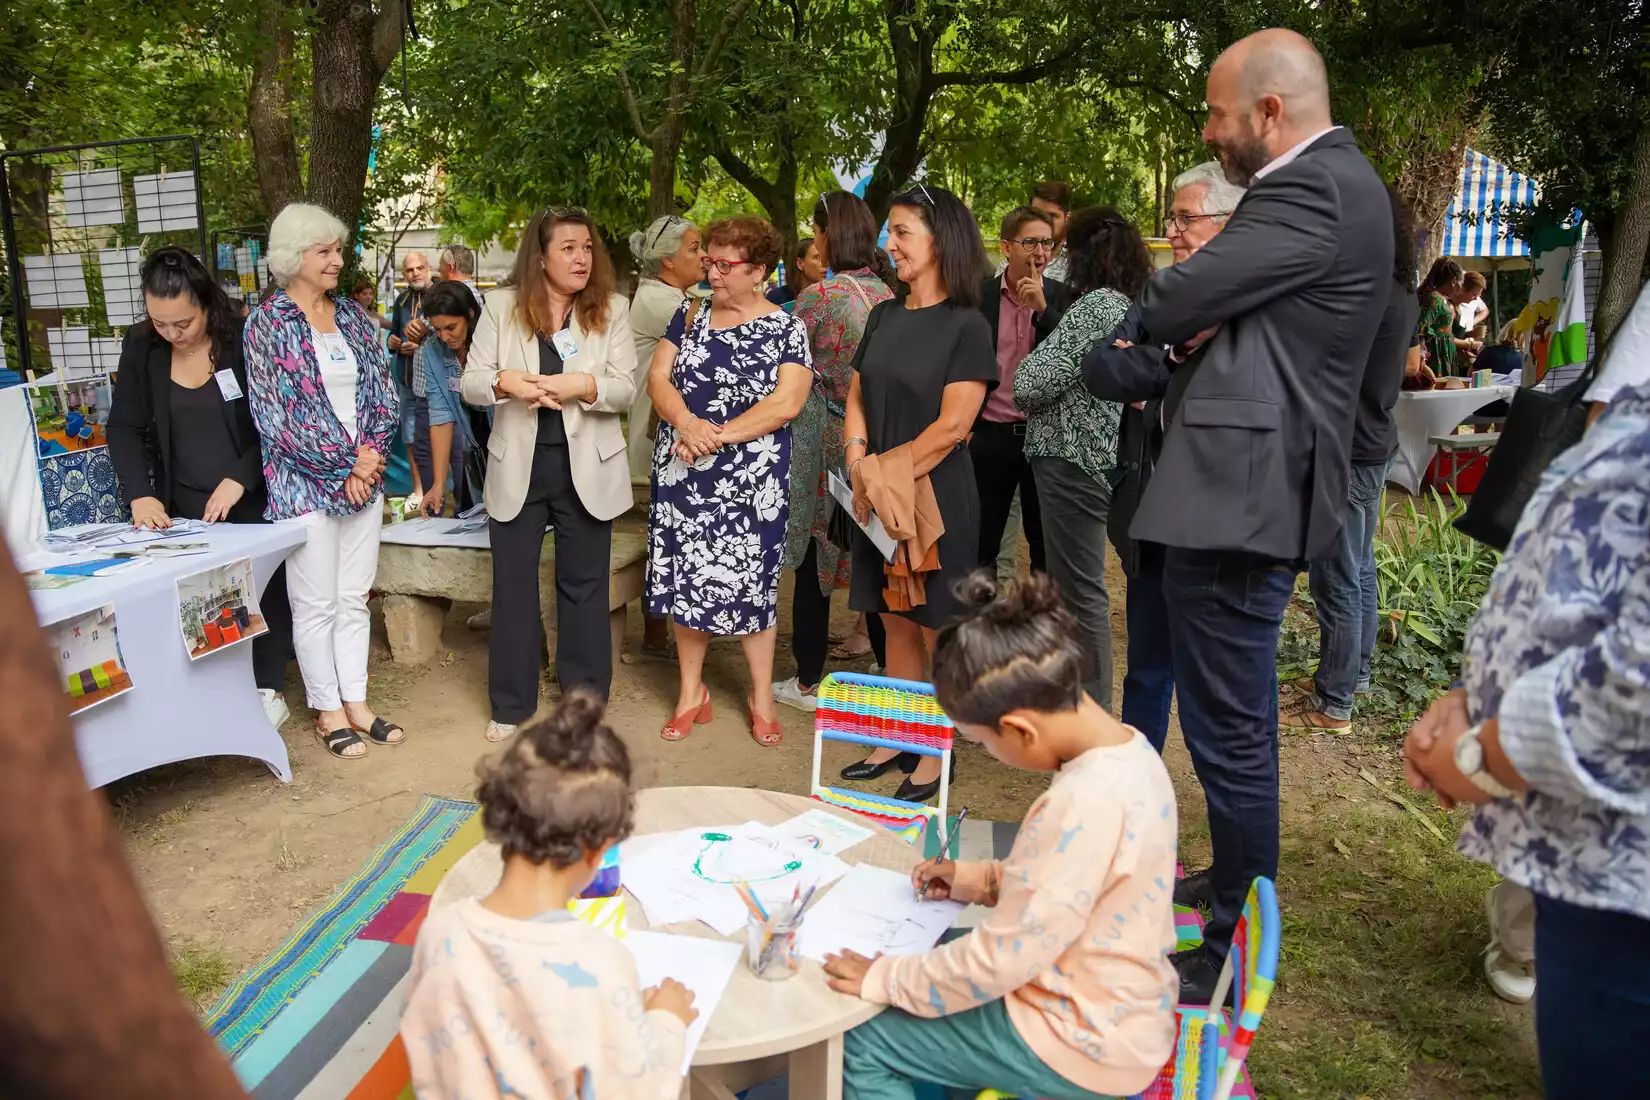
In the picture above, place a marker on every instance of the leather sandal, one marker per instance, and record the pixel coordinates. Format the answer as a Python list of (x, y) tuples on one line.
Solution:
[(764, 731), (381, 732), (336, 741), (681, 725)]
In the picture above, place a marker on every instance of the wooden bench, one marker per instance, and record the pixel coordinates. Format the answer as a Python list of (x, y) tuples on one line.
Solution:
[(419, 584), (1455, 445)]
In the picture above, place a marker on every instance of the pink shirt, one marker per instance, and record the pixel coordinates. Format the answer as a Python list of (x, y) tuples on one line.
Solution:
[(1078, 942), (1016, 331)]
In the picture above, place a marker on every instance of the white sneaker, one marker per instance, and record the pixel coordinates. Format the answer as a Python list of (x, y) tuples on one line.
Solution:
[(481, 620), (275, 708), (791, 694), (499, 731), (1512, 979)]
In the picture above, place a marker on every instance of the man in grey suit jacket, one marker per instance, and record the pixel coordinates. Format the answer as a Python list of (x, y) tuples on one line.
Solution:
[(1270, 326)]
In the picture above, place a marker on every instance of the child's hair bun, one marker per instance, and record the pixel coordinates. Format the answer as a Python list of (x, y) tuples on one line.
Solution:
[(569, 734), (1007, 605), (1014, 647)]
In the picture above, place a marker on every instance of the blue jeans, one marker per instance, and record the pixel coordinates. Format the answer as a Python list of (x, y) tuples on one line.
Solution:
[(1148, 685), (1344, 588), (1224, 612), (1592, 1006)]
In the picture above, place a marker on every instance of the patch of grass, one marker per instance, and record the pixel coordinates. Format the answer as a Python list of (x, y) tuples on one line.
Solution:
[(1380, 988), (287, 858), (200, 973)]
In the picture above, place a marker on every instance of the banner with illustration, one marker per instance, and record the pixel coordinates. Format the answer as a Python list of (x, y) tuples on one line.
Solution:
[(1556, 253)]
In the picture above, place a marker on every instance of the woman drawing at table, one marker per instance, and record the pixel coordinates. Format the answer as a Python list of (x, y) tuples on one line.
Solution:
[(554, 356), (510, 994), (180, 395), (921, 373), (321, 394), (1065, 989)]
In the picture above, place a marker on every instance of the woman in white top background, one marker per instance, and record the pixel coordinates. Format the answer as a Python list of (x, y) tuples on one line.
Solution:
[(326, 410), (668, 252)]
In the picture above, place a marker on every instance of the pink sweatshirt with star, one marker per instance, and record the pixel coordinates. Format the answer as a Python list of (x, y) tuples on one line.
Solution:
[(1077, 943), (514, 1008)]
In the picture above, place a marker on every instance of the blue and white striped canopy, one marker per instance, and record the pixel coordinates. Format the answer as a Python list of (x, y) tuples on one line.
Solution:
[(1475, 223)]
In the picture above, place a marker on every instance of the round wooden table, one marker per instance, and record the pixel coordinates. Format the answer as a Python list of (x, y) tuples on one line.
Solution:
[(759, 1026)]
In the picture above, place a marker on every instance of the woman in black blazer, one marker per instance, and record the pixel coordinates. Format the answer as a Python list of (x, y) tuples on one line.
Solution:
[(180, 434)]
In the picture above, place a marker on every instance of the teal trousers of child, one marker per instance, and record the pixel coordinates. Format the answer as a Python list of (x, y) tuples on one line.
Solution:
[(888, 1057)]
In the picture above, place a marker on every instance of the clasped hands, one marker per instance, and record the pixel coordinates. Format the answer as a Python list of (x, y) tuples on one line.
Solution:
[(544, 391), (1429, 753), (363, 479)]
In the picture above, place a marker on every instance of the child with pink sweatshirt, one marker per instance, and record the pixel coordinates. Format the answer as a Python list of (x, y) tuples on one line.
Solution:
[(510, 995), (1065, 991)]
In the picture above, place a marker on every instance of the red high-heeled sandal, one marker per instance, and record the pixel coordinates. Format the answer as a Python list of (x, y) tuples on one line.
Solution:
[(681, 725), (764, 731)]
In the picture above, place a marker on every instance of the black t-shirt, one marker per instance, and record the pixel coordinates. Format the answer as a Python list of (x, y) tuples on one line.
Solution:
[(1374, 438), (552, 431), (910, 358), (203, 453)]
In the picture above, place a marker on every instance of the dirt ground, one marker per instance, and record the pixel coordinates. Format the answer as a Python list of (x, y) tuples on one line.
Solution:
[(231, 859)]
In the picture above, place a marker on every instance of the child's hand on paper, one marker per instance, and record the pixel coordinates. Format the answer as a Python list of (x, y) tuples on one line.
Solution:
[(846, 972), (932, 878), (673, 997)]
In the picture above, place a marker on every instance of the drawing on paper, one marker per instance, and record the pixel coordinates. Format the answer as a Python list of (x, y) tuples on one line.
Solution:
[(218, 608), (88, 654), (716, 861)]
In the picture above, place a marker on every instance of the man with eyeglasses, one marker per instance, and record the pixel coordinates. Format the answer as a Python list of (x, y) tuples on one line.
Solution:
[(1270, 327), (1022, 307)]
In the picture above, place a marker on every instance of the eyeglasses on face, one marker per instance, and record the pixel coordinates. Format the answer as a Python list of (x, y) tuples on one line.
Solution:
[(1182, 222), (724, 266), (1034, 244)]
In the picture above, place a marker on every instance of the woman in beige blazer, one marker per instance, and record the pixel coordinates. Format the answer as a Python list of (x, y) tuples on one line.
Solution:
[(555, 356)]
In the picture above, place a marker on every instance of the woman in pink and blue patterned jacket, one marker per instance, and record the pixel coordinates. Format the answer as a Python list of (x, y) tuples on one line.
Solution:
[(326, 409)]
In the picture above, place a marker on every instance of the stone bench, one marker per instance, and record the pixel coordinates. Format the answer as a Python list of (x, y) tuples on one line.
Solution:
[(419, 584)]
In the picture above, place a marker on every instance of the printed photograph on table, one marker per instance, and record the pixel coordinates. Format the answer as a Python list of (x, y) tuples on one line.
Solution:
[(88, 654), (218, 608)]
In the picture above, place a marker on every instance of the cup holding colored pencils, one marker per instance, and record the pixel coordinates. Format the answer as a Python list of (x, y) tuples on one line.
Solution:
[(770, 938)]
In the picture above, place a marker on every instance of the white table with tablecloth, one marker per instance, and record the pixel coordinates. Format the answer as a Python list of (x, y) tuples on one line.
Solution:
[(177, 709), (1422, 414)]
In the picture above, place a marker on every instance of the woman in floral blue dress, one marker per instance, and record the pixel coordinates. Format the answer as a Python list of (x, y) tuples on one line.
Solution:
[(727, 378)]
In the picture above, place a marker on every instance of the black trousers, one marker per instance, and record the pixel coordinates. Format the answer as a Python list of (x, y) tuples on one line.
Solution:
[(270, 651), (584, 545), (811, 623), (1000, 467)]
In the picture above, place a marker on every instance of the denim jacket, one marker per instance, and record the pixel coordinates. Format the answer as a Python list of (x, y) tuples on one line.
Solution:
[(1560, 654), (308, 454), (439, 369)]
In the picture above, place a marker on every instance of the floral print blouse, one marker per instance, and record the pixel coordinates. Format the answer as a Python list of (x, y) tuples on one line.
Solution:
[(308, 453), (834, 312), (1560, 651), (1063, 419)]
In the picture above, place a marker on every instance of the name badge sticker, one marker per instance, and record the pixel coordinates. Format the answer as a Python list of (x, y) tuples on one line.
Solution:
[(227, 386), (565, 345)]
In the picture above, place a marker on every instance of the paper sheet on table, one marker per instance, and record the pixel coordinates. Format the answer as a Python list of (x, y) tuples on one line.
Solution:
[(823, 830), (434, 531), (704, 966), (690, 875), (873, 911), (879, 536)]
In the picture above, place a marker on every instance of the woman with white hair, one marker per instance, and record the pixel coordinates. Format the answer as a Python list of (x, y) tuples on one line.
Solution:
[(326, 410), (668, 253)]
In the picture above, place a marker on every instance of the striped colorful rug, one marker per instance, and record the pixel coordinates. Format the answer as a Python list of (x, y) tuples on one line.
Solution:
[(318, 1019)]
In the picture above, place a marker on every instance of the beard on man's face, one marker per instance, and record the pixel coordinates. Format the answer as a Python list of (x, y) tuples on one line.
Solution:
[(1242, 156)]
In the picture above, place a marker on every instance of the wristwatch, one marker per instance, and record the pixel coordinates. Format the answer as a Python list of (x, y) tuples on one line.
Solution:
[(1469, 757)]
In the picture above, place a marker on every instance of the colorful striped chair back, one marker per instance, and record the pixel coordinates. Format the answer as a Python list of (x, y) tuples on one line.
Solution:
[(879, 712)]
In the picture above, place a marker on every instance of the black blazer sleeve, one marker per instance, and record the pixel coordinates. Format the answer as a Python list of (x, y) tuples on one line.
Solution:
[(1058, 296), (1283, 233), (131, 425), (250, 460), (1140, 373)]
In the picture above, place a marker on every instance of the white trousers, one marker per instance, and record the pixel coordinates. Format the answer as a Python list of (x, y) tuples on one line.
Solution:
[(327, 580)]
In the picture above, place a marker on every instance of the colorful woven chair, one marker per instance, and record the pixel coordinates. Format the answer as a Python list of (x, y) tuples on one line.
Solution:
[(1201, 1069), (883, 713)]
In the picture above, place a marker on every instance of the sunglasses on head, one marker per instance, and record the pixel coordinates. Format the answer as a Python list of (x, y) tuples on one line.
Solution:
[(669, 223)]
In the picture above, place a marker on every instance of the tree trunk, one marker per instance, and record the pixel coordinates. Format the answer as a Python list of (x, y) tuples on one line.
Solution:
[(269, 110), (345, 85), (661, 177), (1427, 182), (667, 136), (913, 92), (778, 198), (1630, 239)]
